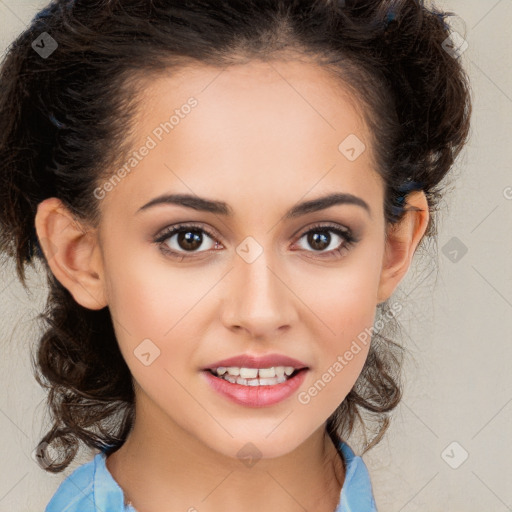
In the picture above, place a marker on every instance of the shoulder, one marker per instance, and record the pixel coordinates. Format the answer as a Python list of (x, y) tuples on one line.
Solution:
[(356, 492), (88, 488), (76, 492)]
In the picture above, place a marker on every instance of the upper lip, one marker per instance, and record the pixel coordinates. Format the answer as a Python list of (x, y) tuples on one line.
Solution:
[(251, 361)]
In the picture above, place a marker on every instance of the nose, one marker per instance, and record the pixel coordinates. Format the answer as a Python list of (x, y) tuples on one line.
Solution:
[(258, 298)]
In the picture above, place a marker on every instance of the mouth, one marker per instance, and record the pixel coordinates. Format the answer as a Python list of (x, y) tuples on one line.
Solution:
[(256, 376), (252, 387)]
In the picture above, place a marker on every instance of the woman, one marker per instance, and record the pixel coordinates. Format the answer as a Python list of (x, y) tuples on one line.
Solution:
[(224, 195)]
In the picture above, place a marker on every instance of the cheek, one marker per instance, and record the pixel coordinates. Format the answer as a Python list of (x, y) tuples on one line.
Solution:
[(147, 295), (345, 308), (342, 346), (344, 300), (151, 302), (347, 305), (153, 313), (150, 307)]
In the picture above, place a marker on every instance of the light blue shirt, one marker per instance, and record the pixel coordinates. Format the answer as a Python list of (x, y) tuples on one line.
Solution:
[(91, 488)]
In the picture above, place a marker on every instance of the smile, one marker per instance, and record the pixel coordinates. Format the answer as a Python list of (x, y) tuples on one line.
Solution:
[(257, 390)]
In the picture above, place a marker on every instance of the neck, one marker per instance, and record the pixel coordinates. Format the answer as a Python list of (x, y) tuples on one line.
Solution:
[(162, 470)]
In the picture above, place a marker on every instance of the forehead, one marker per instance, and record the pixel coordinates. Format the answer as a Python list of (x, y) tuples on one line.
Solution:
[(264, 129), (302, 96)]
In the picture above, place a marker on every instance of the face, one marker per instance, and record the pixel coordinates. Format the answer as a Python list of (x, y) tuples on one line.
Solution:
[(247, 278)]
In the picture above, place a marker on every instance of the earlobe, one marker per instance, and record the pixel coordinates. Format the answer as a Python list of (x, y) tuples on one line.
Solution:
[(402, 241), (72, 253)]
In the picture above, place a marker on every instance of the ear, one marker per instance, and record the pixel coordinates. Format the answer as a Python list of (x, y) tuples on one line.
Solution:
[(401, 242), (72, 253)]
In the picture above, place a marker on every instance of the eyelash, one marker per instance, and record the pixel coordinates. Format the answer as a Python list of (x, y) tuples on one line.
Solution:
[(346, 234)]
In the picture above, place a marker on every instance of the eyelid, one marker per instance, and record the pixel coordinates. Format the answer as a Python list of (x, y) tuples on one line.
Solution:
[(349, 240), (326, 226), (169, 226), (166, 232)]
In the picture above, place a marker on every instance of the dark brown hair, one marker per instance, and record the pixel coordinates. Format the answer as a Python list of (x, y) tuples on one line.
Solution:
[(65, 124)]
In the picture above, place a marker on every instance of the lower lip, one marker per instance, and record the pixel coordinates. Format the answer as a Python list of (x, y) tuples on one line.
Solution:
[(255, 396)]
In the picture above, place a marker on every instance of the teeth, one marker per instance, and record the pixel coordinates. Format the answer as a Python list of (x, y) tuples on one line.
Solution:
[(253, 373), (249, 376), (279, 371), (270, 382), (248, 373), (267, 372), (258, 382)]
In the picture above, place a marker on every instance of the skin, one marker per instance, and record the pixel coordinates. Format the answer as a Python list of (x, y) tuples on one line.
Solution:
[(262, 138)]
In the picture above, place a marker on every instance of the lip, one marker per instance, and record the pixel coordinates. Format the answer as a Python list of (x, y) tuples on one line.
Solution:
[(255, 396), (253, 361)]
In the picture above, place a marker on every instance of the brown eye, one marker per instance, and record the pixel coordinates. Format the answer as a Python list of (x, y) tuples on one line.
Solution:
[(189, 239), (319, 238), (182, 239)]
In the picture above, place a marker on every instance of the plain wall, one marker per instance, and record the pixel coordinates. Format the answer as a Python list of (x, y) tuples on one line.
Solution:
[(457, 321)]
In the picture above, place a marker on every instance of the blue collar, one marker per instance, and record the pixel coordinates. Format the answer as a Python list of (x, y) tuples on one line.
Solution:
[(356, 493), (91, 487)]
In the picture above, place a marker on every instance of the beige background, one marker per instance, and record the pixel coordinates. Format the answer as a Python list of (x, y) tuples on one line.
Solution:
[(457, 323)]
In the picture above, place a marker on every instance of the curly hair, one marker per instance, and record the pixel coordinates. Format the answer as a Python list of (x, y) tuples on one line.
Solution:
[(65, 122)]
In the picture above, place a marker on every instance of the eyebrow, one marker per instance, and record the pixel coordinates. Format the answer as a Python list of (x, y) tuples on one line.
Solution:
[(222, 208)]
